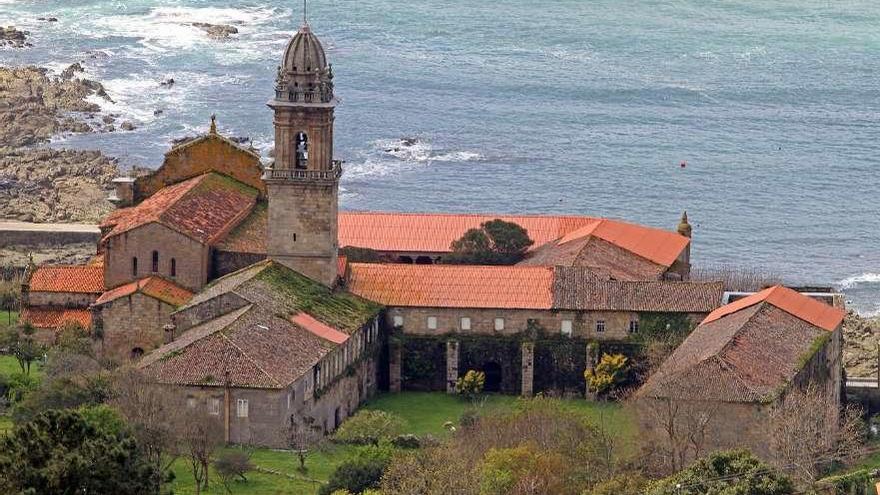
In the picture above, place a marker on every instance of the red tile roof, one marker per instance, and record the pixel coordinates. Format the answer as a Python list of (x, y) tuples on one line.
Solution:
[(156, 287), (85, 279), (326, 332), (804, 307), (660, 246), (55, 318), (205, 208), (453, 285)]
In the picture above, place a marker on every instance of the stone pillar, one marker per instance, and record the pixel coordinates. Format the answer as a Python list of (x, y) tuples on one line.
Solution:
[(451, 365), (592, 359), (395, 359), (528, 369)]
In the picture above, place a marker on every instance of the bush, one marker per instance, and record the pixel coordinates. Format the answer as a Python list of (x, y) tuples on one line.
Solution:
[(369, 427), (361, 472), (468, 418), (608, 372), (620, 484), (495, 243), (233, 464), (731, 472), (407, 441), (471, 384)]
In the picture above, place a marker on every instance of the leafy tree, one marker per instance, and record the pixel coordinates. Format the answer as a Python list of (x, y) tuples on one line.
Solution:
[(369, 427), (25, 349), (495, 242), (63, 452), (608, 372), (471, 384), (736, 472), (630, 482), (522, 470)]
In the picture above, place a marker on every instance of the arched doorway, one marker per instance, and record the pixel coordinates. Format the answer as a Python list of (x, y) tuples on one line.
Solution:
[(493, 377)]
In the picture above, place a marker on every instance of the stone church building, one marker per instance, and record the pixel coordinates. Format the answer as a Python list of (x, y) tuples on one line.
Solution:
[(221, 277)]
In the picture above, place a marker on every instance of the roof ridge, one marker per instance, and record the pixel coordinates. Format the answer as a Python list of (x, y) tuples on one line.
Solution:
[(204, 137), (247, 356)]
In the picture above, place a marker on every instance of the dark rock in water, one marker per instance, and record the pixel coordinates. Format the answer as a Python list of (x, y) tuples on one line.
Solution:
[(108, 119), (239, 139), (71, 70), (216, 31), (48, 19), (408, 141), (158, 111), (167, 82), (182, 140), (9, 36), (127, 126)]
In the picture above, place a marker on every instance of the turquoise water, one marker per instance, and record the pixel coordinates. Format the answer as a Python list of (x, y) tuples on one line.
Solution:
[(583, 107)]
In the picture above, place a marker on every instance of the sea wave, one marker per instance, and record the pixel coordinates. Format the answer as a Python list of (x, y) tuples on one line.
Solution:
[(856, 280)]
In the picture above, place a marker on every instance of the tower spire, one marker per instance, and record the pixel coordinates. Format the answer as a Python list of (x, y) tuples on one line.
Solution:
[(305, 8)]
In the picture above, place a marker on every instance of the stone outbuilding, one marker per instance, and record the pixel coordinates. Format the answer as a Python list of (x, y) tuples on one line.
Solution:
[(739, 364)]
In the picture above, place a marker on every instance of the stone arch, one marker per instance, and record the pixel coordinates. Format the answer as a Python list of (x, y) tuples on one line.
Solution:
[(301, 150), (494, 375), (136, 353)]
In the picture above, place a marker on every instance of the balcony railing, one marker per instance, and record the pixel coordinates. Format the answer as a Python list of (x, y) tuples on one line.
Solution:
[(304, 175)]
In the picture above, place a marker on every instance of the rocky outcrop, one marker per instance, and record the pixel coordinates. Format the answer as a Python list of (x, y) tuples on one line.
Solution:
[(217, 31), (860, 351), (48, 185), (11, 37), (69, 254)]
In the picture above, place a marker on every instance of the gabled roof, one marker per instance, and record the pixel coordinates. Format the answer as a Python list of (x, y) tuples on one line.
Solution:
[(204, 208), (746, 352), (524, 287), (326, 332), (804, 307), (55, 318), (250, 348), (210, 136), (435, 232), (156, 287), (84, 279)]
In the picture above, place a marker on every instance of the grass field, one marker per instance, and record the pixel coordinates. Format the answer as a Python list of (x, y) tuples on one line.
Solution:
[(424, 413), (8, 318), (9, 366)]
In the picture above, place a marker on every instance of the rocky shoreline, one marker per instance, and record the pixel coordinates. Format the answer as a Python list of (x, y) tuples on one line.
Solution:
[(861, 352)]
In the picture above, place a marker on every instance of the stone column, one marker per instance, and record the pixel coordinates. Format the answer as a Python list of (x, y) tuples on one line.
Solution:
[(528, 369), (592, 359), (451, 365), (395, 359)]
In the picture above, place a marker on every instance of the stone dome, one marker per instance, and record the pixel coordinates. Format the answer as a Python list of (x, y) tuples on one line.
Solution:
[(304, 53)]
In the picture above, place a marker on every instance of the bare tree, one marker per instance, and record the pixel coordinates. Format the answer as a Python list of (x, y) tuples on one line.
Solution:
[(683, 427), (810, 433), (148, 409), (304, 436), (200, 435)]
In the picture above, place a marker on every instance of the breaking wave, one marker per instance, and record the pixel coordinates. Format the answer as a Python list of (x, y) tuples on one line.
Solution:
[(389, 156), (862, 279)]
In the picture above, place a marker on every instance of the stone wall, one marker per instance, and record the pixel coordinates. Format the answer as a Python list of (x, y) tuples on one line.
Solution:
[(61, 299), (226, 262), (207, 310), (191, 257), (35, 234), (209, 153), (132, 322)]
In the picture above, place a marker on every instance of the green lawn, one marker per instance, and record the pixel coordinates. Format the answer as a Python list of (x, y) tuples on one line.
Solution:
[(9, 366), (424, 413), (8, 319), (5, 424)]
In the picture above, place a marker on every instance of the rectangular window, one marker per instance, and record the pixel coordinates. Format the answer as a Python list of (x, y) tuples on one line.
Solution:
[(566, 328), (190, 402), (499, 324), (600, 326), (398, 320), (214, 406), (242, 409), (465, 323), (634, 326), (432, 323), (290, 398)]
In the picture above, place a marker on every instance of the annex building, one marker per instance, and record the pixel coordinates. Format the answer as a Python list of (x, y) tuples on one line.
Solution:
[(221, 277)]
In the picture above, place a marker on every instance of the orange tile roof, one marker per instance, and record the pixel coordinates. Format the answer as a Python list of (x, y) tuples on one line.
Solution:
[(205, 208), (659, 246), (87, 279), (804, 307), (513, 287), (55, 318), (156, 287), (314, 326)]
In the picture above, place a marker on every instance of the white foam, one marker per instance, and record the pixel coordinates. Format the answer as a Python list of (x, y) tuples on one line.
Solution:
[(458, 156), (864, 278)]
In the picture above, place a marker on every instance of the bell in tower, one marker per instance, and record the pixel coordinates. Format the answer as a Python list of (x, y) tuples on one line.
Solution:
[(303, 182)]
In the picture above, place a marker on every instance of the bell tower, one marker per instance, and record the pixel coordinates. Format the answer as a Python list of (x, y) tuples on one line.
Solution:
[(303, 182)]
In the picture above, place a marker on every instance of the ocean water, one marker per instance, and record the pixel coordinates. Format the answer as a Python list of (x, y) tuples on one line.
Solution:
[(559, 106)]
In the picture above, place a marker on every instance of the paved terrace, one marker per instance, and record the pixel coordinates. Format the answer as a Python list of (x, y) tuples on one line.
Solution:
[(25, 233)]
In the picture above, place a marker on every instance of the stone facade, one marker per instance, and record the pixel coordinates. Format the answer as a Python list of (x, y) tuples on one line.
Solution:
[(528, 369), (60, 299), (131, 326), (191, 258)]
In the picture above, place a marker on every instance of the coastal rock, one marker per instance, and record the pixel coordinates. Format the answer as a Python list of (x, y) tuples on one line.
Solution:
[(127, 126), (48, 19), (12, 37), (70, 71), (216, 31), (860, 351)]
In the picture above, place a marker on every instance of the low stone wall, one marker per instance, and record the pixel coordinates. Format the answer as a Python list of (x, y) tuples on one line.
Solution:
[(47, 234)]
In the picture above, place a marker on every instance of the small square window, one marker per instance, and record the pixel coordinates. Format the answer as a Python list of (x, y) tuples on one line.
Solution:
[(499, 323), (242, 409), (566, 328), (634, 326), (600, 326), (214, 406), (432, 323), (398, 320), (465, 323), (190, 402)]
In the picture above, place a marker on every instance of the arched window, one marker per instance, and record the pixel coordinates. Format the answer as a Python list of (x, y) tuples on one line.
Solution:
[(134, 266), (301, 151), (173, 267), (155, 261), (136, 353)]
